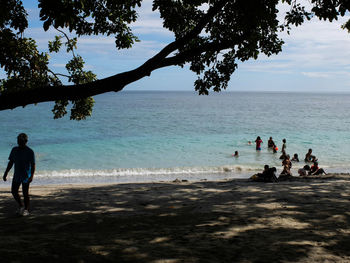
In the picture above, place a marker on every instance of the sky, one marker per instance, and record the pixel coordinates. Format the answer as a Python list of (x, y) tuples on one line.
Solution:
[(314, 58)]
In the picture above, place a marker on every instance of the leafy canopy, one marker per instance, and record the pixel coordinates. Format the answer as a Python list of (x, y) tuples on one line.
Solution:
[(210, 35)]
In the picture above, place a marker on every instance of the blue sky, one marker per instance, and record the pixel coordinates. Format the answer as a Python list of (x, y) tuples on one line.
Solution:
[(315, 57)]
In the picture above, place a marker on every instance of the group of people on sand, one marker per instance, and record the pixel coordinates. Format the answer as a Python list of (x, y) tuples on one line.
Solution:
[(268, 175)]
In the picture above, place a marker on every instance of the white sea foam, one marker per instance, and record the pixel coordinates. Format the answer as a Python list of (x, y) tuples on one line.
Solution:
[(136, 175), (157, 174), (134, 172)]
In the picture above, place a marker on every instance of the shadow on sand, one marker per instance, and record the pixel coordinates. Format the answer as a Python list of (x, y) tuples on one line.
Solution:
[(234, 221)]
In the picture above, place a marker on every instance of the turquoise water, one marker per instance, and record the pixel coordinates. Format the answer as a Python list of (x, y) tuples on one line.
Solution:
[(151, 136)]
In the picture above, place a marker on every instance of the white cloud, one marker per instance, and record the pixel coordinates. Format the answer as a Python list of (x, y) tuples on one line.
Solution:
[(267, 66), (316, 74), (149, 22), (314, 45), (329, 74)]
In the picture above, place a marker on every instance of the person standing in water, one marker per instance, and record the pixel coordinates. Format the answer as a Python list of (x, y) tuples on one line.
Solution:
[(24, 160), (258, 142), (309, 157), (284, 145), (271, 143)]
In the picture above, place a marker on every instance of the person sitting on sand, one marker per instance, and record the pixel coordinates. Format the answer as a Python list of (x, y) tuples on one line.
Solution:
[(304, 171), (259, 176), (287, 165), (315, 170), (295, 158), (266, 168), (309, 157), (268, 175), (271, 143), (258, 142), (287, 162)]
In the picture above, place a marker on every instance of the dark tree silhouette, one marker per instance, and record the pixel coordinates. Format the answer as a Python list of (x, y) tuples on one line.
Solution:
[(210, 35)]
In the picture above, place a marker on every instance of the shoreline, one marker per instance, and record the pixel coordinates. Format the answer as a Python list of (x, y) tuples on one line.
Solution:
[(77, 183), (303, 220)]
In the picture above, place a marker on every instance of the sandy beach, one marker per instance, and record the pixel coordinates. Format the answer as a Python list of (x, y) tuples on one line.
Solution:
[(303, 220)]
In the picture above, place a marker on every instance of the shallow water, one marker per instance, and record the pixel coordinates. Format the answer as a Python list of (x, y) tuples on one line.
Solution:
[(151, 136)]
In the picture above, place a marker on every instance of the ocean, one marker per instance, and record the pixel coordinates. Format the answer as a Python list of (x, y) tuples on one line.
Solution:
[(146, 136)]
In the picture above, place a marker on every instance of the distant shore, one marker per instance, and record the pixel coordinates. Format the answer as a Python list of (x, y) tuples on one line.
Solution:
[(302, 220)]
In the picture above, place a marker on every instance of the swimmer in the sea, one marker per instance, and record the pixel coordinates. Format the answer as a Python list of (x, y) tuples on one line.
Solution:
[(295, 158)]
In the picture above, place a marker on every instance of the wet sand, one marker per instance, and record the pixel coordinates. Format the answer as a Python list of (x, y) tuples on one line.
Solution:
[(303, 220)]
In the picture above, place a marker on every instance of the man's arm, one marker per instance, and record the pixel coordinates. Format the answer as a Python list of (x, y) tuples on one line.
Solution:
[(314, 173), (32, 171), (9, 166)]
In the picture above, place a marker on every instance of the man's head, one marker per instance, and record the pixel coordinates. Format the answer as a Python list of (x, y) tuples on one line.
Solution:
[(22, 139), (307, 168)]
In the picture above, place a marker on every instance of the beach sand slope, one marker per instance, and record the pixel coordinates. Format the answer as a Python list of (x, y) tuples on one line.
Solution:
[(303, 220)]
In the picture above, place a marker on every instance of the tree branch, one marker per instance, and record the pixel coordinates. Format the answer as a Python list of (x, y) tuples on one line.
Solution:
[(10, 100), (68, 39), (57, 74), (185, 56)]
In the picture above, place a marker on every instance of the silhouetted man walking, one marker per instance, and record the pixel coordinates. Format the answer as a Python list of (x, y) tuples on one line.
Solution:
[(24, 160)]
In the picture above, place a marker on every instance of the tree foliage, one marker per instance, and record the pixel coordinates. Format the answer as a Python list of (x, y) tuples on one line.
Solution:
[(211, 36)]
